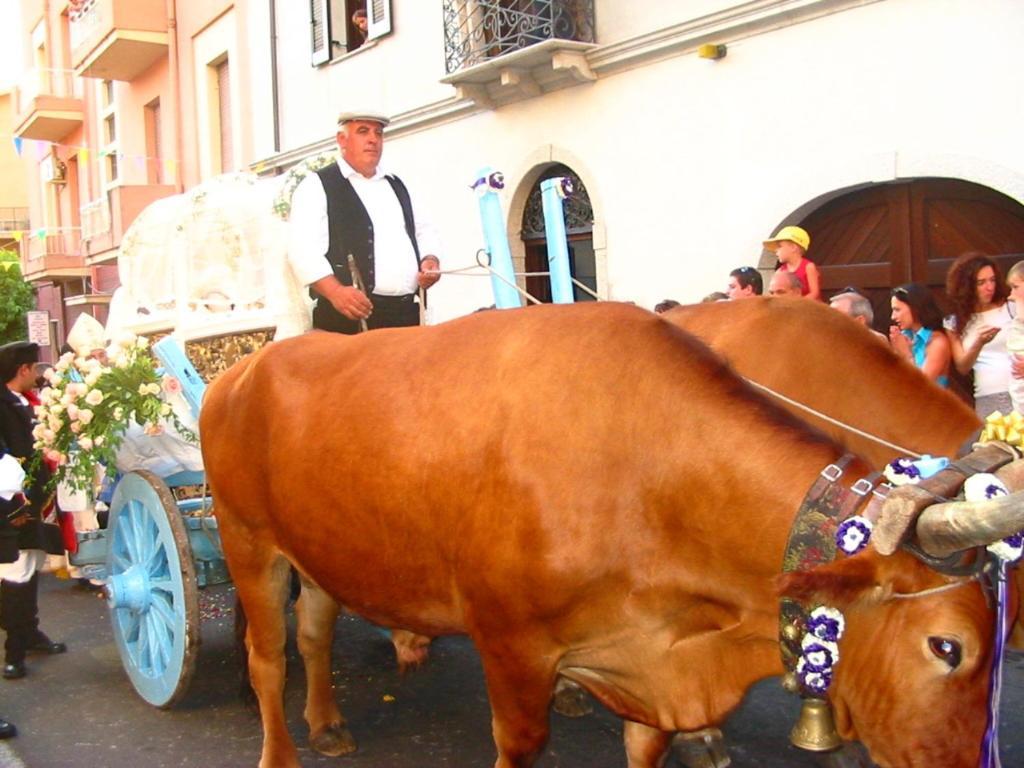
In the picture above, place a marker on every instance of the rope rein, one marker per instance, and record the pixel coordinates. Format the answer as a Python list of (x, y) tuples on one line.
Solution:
[(473, 271), (835, 422), (933, 590)]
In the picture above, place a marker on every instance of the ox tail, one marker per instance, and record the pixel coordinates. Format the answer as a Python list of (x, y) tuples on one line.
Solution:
[(245, 690)]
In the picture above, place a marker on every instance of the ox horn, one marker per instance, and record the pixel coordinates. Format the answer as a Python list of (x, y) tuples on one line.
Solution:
[(943, 529)]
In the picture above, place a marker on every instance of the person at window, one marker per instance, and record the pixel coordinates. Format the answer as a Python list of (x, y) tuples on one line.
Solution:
[(353, 208), (362, 25), (785, 283), (19, 580), (744, 282), (917, 333), (790, 246), (978, 330)]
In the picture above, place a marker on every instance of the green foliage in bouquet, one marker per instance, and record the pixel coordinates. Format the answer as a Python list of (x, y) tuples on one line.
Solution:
[(90, 402)]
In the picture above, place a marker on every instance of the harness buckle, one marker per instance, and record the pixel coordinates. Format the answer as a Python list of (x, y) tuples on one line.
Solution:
[(832, 472), (883, 490), (862, 487)]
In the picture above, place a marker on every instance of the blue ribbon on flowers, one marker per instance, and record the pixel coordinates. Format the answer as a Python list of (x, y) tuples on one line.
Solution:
[(990, 744)]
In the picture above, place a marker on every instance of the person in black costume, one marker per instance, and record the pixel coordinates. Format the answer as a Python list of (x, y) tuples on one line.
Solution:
[(22, 546), (353, 213)]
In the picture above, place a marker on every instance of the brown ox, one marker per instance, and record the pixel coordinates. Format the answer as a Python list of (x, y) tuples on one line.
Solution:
[(586, 491), (812, 354)]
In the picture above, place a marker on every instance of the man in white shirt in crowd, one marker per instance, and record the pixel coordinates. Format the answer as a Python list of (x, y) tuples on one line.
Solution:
[(351, 212)]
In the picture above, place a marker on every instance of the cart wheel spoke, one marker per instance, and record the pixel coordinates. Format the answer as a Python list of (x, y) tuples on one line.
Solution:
[(161, 607)]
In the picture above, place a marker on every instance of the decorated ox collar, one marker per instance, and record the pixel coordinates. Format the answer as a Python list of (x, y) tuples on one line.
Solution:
[(809, 639)]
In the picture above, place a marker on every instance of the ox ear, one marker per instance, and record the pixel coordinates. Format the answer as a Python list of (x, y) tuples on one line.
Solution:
[(839, 584)]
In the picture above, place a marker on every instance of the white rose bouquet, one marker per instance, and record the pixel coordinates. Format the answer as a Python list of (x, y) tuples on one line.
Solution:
[(90, 402)]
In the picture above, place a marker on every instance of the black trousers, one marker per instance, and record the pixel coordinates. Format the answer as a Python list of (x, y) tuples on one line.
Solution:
[(388, 312), (19, 617)]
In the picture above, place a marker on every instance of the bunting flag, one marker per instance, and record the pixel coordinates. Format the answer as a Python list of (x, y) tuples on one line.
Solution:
[(17, 145)]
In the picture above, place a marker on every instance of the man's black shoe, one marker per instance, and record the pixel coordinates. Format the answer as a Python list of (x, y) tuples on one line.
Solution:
[(43, 644), (7, 730), (14, 670)]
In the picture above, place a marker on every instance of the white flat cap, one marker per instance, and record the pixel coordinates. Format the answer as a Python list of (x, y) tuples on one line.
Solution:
[(373, 117)]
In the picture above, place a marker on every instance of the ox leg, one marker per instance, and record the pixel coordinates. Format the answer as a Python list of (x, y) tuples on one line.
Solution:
[(317, 614), (646, 747), (520, 694), (262, 585)]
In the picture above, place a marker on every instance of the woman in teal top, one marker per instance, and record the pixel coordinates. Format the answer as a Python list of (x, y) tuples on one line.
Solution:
[(917, 333)]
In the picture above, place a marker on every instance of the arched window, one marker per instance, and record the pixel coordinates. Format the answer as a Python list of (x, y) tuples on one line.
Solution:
[(579, 226)]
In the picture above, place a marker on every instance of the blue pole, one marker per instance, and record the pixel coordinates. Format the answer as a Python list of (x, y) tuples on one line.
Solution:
[(552, 192), (487, 184)]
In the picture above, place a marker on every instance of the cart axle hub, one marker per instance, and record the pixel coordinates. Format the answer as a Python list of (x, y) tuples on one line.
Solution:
[(129, 589)]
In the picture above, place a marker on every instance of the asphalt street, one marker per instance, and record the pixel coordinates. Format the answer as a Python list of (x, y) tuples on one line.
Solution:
[(79, 709)]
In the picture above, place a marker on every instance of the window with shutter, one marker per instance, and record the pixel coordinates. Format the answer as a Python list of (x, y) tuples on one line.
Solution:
[(379, 18), (320, 30)]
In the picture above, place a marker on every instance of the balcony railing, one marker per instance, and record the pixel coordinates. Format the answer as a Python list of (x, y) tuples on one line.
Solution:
[(95, 217), (13, 219), (55, 83), (64, 243), (479, 30)]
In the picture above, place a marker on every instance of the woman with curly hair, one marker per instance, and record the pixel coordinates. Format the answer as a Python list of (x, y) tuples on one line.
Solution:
[(981, 317), (917, 333)]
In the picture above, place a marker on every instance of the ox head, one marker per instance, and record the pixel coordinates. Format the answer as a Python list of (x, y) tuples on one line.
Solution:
[(913, 677)]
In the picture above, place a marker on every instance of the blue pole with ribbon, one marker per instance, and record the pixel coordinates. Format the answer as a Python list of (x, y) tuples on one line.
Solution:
[(552, 193), (487, 184)]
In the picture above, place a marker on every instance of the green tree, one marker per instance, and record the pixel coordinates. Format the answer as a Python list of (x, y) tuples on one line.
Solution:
[(16, 298)]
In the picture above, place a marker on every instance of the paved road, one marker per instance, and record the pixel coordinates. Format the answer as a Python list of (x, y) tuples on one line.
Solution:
[(80, 710)]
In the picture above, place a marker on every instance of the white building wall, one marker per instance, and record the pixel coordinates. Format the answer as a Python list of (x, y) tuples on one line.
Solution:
[(690, 162)]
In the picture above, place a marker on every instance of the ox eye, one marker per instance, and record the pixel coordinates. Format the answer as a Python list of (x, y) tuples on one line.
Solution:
[(946, 649)]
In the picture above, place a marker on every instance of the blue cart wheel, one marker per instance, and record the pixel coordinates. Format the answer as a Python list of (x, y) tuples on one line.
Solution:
[(151, 589)]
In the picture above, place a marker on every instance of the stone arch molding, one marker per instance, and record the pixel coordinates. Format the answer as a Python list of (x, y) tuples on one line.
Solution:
[(802, 192), (525, 176)]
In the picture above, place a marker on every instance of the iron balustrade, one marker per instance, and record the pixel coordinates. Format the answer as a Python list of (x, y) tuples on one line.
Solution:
[(479, 30)]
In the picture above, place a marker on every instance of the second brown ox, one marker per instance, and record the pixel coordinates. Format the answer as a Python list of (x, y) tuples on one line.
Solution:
[(610, 510)]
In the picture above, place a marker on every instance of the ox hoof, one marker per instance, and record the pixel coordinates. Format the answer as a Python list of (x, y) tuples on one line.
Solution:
[(701, 749), (333, 741), (571, 700)]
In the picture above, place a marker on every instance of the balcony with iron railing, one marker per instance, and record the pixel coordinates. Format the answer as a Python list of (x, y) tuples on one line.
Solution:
[(48, 104), (53, 255), (500, 51), (117, 39)]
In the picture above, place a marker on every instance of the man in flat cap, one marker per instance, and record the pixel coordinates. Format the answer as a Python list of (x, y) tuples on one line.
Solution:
[(352, 208), (22, 537)]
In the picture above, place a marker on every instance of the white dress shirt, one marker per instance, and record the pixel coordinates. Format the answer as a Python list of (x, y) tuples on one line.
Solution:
[(395, 265)]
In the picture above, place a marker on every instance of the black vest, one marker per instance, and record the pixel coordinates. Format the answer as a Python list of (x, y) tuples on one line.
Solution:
[(351, 232)]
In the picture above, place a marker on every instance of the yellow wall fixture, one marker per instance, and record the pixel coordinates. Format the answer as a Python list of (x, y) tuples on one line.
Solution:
[(712, 51)]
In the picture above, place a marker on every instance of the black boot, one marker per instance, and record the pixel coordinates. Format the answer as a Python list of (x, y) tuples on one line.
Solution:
[(37, 641), (18, 621), (7, 730)]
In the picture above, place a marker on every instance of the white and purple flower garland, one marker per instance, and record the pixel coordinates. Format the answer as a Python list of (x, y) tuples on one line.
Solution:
[(984, 486), (819, 648), (485, 184)]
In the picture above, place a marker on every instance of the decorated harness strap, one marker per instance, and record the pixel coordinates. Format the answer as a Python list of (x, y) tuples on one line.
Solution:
[(809, 640)]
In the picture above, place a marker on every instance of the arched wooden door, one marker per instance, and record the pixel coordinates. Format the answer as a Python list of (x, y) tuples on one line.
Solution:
[(887, 234)]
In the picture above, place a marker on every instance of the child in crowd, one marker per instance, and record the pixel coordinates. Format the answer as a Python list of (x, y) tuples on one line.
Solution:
[(1015, 334), (790, 246)]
